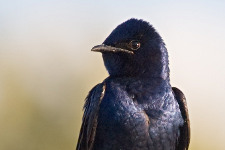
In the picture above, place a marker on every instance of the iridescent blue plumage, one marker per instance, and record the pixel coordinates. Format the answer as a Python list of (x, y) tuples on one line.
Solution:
[(135, 108)]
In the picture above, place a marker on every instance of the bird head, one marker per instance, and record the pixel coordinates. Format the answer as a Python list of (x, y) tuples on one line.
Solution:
[(134, 48)]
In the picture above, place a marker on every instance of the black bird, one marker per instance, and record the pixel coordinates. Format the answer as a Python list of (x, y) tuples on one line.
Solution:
[(135, 108)]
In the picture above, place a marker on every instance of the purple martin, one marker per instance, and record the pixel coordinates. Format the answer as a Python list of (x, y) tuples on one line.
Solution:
[(135, 108)]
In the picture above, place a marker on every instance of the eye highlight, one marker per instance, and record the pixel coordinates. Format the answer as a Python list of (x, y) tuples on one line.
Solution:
[(134, 44)]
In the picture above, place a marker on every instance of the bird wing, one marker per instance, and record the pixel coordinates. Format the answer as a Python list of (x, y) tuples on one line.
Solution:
[(184, 139), (89, 123)]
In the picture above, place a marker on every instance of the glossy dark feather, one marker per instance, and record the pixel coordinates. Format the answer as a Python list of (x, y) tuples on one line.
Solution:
[(135, 108), (89, 124), (184, 138)]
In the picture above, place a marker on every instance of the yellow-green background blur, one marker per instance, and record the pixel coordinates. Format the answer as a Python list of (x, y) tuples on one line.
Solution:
[(47, 68)]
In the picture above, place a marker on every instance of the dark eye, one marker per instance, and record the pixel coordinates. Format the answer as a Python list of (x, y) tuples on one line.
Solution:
[(134, 44)]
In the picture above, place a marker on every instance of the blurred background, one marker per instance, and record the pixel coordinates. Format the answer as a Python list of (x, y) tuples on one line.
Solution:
[(47, 68)]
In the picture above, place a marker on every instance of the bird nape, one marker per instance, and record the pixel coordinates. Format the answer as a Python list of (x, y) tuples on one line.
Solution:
[(135, 108)]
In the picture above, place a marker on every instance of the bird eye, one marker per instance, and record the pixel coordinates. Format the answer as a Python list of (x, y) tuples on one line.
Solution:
[(134, 44)]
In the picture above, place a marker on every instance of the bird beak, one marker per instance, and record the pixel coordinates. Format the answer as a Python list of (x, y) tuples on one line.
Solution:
[(106, 48)]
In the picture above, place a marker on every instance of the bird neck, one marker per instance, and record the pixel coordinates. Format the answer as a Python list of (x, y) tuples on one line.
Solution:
[(159, 66)]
